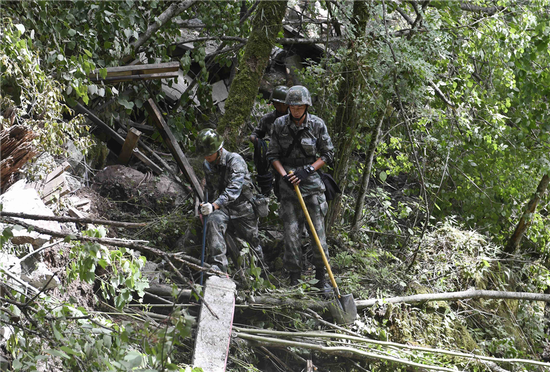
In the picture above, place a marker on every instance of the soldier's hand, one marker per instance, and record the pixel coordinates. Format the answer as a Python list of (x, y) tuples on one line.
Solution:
[(286, 177), (206, 208), (299, 176)]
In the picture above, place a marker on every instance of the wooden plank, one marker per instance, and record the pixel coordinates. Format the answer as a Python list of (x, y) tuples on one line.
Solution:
[(129, 145), (119, 79), (53, 185), (117, 137), (174, 147), (215, 324), (141, 126), (57, 171), (73, 212), (56, 195), (138, 69)]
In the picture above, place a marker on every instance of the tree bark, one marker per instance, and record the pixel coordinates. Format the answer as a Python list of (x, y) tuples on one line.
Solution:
[(366, 176), (242, 93), (346, 122), (17, 148), (527, 217)]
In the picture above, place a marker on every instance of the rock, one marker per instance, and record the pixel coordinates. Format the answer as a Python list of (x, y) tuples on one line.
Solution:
[(150, 271), (139, 191), (28, 201), (219, 92), (42, 277), (9, 262)]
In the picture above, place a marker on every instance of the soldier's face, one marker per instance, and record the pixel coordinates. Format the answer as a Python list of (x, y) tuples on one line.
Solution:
[(211, 158), (280, 107), (298, 111)]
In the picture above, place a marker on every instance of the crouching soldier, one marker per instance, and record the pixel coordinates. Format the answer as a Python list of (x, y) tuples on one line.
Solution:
[(229, 205)]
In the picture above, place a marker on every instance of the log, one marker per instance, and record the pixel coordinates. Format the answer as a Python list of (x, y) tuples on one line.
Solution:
[(165, 290), (129, 145), (72, 219), (148, 69), (174, 147), (17, 149), (119, 79), (463, 295)]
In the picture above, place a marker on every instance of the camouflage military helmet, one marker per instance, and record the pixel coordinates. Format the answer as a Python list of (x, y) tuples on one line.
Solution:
[(279, 94), (208, 142), (298, 95)]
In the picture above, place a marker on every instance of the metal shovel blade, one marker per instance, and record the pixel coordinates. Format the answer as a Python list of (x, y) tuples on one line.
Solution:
[(344, 309)]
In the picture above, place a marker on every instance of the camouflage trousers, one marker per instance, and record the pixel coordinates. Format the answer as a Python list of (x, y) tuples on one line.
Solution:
[(294, 220), (219, 224)]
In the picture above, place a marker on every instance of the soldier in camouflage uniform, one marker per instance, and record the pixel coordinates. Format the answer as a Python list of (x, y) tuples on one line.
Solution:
[(300, 144), (229, 208), (264, 177), (278, 98)]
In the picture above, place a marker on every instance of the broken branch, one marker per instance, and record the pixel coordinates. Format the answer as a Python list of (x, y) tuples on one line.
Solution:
[(73, 219)]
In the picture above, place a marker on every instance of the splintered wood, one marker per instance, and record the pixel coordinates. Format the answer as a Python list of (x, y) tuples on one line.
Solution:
[(15, 150), (54, 186)]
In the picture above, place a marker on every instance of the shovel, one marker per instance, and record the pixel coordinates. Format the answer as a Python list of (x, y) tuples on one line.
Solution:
[(204, 220), (344, 310)]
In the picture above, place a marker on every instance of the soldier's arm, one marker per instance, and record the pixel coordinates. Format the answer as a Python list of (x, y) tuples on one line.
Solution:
[(237, 172), (325, 146)]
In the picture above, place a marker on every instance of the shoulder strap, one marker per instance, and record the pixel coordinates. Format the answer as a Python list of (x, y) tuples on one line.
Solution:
[(296, 137)]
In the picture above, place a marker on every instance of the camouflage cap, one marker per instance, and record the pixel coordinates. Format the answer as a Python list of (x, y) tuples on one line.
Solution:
[(298, 95), (208, 142), (279, 94)]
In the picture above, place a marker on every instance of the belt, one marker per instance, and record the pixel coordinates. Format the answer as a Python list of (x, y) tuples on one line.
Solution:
[(297, 162)]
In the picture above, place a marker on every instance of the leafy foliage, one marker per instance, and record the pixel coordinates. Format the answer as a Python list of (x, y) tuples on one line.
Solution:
[(37, 98)]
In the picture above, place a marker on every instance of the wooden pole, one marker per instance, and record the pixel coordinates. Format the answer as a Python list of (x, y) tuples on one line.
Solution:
[(129, 145)]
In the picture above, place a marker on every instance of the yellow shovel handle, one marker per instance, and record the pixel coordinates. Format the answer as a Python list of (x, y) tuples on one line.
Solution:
[(312, 229)]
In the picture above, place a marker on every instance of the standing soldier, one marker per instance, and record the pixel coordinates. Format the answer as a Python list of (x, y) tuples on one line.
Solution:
[(229, 205), (300, 144), (263, 130)]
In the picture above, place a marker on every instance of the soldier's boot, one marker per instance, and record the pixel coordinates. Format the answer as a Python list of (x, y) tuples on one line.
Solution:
[(294, 277), (322, 283)]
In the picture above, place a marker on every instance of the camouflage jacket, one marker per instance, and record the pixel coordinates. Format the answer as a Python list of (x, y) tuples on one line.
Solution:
[(229, 184), (315, 143), (264, 125)]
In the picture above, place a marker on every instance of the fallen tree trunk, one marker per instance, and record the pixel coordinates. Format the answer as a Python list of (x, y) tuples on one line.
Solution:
[(463, 295), (72, 219), (414, 299), (17, 149)]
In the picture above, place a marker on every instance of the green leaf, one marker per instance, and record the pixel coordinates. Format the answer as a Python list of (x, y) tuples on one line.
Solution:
[(134, 358), (57, 353), (383, 176), (88, 53), (68, 350), (103, 73)]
